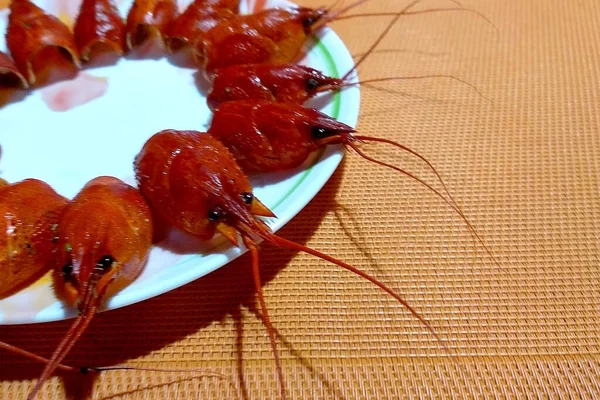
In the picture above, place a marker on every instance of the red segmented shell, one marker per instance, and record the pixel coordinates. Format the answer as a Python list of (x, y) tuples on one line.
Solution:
[(197, 19), (31, 30), (30, 210), (9, 73), (99, 22), (147, 18), (273, 36)]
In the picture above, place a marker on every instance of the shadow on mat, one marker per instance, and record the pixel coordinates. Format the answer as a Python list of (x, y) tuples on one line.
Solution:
[(158, 322)]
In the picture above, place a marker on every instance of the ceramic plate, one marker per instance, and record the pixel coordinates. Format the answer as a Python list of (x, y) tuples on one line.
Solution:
[(94, 124)]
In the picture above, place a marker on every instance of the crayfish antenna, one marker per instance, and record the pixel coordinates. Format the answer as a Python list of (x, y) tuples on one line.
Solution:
[(375, 44), (405, 12), (203, 372), (452, 203), (337, 16), (78, 327), (431, 10), (333, 15), (435, 76), (265, 314), (84, 370), (408, 150), (347, 77), (279, 241), (33, 356)]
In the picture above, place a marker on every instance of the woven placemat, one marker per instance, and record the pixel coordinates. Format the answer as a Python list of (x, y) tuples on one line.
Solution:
[(522, 160)]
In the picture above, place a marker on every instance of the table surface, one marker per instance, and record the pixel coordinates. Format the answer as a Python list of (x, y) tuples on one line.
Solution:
[(523, 162)]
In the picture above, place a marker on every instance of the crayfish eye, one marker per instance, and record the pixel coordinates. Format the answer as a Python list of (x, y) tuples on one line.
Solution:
[(308, 22), (319, 133), (105, 263), (309, 17), (312, 84), (247, 198), (216, 214), (67, 270)]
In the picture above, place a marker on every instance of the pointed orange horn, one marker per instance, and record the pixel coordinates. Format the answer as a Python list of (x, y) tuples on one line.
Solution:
[(258, 208), (229, 232)]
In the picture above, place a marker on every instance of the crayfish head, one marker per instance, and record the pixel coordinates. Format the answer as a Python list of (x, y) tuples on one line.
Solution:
[(311, 18), (326, 130), (102, 243), (82, 279), (231, 217), (315, 82), (207, 191)]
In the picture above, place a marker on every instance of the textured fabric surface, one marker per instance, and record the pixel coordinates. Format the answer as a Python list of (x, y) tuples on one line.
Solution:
[(523, 162)]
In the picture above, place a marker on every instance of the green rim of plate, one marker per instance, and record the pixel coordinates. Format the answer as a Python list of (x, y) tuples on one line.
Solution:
[(337, 105)]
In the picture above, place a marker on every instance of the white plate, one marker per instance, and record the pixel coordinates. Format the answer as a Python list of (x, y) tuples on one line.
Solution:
[(123, 106)]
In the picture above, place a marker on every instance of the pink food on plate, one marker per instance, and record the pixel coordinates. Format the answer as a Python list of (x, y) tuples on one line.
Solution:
[(65, 96)]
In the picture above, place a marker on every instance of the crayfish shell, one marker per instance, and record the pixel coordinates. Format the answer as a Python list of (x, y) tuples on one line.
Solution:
[(9, 73), (99, 24), (200, 17), (184, 174), (30, 210), (273, 36), (147, 19), (30, 32)]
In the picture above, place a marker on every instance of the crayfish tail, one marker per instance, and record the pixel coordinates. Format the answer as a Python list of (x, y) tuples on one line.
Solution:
[(99, 28), (10, 76), (39, 42), (149, 19)]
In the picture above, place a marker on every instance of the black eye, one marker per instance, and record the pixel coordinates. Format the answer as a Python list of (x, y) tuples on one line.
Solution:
[(319, 133), (308, 22), (312, 84), (247, 197), (105, 262), (67, 270), (216, 214)]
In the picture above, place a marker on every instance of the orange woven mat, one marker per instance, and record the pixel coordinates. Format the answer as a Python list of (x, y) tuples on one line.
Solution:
[(523, 161)]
